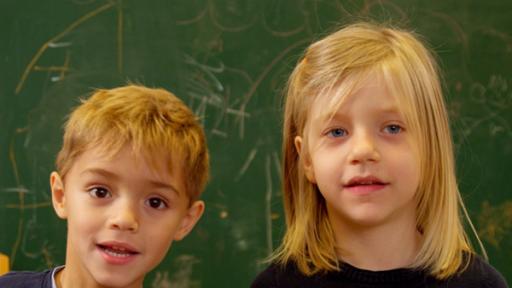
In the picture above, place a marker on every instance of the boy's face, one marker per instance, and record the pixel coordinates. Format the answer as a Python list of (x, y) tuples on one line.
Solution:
[(122, 217)]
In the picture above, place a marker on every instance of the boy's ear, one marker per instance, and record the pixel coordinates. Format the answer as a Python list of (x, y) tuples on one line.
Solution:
[(188, 222), (306, 161), (58, 196)]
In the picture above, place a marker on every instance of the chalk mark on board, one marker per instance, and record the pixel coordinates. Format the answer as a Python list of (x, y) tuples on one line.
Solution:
[(268, 203), (455, 27), (62, 69), (277, 33), (55, 39), (247, 163), (20, 189), (277, 162), (495, 222), (232, 9), (194, 19), (59, 44), (29, 206), (500, 35), (206, 87), (495, 99), (263, 74), (182, 278), (21, 200), (368, 5), (120, 37)]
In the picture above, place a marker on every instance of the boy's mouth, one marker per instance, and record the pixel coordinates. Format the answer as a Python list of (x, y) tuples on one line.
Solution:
[(117, 250)]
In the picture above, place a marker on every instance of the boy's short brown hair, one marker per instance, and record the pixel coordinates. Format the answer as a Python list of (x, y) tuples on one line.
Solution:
[(154, 122)]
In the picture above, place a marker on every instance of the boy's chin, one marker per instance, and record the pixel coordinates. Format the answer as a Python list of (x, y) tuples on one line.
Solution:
[(118, 280)]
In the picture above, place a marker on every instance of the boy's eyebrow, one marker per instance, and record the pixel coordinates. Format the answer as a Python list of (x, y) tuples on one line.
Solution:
[(108, 174), (102, 172), (163, 185)]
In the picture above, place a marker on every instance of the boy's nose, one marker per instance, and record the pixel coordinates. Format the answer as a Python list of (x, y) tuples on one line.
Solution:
[(124, 217), (364, 149)]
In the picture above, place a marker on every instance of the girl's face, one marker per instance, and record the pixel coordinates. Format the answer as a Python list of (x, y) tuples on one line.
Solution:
[(363, 159)]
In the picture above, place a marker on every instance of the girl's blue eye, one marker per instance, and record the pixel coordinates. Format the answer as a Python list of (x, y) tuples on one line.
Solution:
[(99, 192), (337, 132), (393, 129), (157, 203)]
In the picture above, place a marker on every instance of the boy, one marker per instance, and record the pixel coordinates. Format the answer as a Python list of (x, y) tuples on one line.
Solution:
[(129, 175)]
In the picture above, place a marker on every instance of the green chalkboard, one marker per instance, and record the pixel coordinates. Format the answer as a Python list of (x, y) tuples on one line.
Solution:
[(228, 59)]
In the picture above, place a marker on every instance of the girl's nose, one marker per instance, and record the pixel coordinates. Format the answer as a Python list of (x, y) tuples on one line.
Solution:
[(124, 217), (364, 148)]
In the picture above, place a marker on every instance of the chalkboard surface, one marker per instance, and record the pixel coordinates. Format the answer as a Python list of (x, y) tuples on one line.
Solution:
[(228, 59)]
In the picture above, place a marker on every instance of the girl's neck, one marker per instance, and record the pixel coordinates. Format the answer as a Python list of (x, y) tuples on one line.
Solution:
[(386, 246)]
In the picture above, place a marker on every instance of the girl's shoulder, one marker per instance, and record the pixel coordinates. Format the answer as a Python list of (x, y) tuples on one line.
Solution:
[(281, 275), (289, 276), (478, 273)]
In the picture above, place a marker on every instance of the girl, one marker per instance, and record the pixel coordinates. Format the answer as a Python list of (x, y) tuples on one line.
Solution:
[(370, 194)]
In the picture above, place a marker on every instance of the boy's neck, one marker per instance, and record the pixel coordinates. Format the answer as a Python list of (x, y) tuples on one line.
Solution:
[(64, 279), (387, 246)]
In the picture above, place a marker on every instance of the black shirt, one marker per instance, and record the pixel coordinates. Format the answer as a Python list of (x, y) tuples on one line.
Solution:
[(478, 274)]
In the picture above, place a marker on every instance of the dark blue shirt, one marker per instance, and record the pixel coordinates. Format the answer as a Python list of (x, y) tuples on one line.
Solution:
[(24, 279)]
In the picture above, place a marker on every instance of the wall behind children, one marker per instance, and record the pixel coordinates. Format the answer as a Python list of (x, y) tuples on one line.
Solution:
[(228, 60)]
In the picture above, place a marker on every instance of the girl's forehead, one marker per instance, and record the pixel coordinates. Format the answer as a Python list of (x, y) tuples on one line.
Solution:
[(375, 94), (331, 100)]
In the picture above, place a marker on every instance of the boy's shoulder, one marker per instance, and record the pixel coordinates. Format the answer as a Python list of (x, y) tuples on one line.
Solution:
[(27, 279), (478, 273)]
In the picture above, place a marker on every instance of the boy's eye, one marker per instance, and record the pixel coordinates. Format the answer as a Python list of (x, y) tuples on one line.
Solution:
[(393, 129), (337, 132), (156, 203), (99, 192)]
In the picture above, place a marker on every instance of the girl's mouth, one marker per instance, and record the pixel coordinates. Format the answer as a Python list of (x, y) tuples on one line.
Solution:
[(365, 185)]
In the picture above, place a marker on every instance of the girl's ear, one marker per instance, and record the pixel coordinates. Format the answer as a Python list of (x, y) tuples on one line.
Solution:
[(188, 222), (58, 196), (308, 166)]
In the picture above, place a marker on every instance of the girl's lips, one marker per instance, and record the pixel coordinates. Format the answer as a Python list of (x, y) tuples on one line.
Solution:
[(366, 180), (365, 185), (365, 189)]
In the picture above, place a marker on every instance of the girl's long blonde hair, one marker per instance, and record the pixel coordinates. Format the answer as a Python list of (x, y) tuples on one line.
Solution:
[(344, 58)]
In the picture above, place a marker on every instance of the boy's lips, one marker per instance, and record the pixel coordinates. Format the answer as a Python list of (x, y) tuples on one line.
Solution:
[(117, 252)]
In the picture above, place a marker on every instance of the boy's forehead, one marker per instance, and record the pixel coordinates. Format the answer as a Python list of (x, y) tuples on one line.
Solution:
[(158, 160), (154, 167)]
